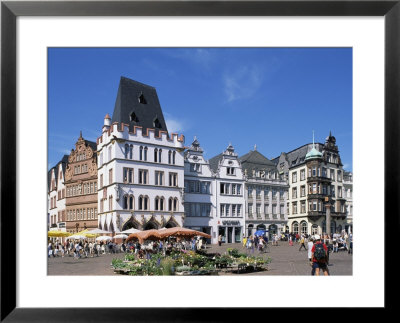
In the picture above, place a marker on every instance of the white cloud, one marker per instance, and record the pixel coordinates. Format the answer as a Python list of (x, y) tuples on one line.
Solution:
[(242, 83), (174, 125)]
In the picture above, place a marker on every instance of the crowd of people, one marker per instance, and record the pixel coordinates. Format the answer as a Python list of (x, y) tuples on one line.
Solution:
[(85, 249)]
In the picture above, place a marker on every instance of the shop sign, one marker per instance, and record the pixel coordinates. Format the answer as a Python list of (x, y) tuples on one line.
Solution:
[(231, 222)]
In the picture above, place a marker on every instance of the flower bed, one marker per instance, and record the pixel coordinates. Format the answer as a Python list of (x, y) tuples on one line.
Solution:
[(186, 263)]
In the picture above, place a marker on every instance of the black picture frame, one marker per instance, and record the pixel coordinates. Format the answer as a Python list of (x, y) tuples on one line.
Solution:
[(10, 10)]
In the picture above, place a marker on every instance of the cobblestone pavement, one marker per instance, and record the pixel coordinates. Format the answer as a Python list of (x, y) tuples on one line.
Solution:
[(286, 260)]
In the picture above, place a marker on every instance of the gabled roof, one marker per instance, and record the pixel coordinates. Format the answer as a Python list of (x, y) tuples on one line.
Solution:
[(214, 162), (256, 158), (137, 105)]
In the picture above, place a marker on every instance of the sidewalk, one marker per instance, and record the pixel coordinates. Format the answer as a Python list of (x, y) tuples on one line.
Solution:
[(286, 261)]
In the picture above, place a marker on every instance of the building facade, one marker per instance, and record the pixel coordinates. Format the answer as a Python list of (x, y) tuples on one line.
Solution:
[(141, 165), (56, 196), (81, 187), (348, 194), (200, 193), (315, 177), (230, 201), (266, 194)]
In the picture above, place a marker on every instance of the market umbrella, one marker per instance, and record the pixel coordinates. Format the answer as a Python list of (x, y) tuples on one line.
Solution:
[(260, 233), (77, 237), (57, 234), (97, 231), (103, 238), (145, 235), (182, 232), (120, 236), (132, 230), (86, 234)]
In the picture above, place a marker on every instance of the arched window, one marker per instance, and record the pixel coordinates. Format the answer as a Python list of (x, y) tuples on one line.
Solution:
[(156, 203), (175, 204), (155, 154), (126, 150), (161, 204), (125, 202), (140, 202), (145, 153), (159, 155), (170, 204), (130, 151), (141, 153), (173, 157), (304, 227), (131, 201), (295, 227), (169, 156)]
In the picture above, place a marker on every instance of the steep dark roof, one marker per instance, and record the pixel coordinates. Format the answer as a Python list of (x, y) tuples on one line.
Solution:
[(297, 156), (63, 163), (137, 105), (215, 161), (91, 144), (256, 158)]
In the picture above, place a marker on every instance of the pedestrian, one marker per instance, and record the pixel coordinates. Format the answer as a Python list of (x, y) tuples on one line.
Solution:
[(350, 244), (244, 241), (319, 254), (50, 250), (335, 245), (310, 245), (220, 240), (302, 242), (290, 240)]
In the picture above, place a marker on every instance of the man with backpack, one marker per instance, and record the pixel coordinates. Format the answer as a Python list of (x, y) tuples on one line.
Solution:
[(319, 256)]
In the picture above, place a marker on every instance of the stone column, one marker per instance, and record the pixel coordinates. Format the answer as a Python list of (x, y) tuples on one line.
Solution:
[(328, 218)]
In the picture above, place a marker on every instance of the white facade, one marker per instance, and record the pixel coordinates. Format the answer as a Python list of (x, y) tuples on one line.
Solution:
[(200, 193), (348, 194), (56, 197), (230, 200), (140, 178)]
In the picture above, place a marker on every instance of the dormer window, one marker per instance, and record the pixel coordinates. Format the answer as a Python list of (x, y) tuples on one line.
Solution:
[(133, 117), (141, 99), (157, 123)]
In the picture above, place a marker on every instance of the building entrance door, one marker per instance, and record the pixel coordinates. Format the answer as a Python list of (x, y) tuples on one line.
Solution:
[(230, 231)]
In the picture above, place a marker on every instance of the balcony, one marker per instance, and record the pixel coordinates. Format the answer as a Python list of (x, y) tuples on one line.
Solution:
[(319, 179)]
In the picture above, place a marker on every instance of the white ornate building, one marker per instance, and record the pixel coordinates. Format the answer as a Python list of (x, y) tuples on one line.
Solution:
[(140, 165), (230, 201)]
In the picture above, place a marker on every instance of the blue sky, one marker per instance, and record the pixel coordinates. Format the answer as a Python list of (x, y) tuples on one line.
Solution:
[(270, 97)]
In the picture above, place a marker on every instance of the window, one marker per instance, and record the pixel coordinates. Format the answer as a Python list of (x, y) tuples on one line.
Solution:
[(159, 178), (159, 155), (143, 176), (339, 176), (258, 192), (155, 155), (126, 151), (266, 208), (314, 171), (143, 202), (141, 99), (274, 191), (173, 179), (109, 153), (282, 209), (101, 182), (324, 172), (294, 177), (303, 191), (250, 208), (294, 208), (249, 191), (274, 211), (258, 209), (128, 175), (195, 167), (133, 117), (169, 157), (172, 204), (233, 210), (266, 193), (198, 209), (159, 204), (303, 207), (294, 192), (230, 171), (141, 153), (110, 176), (302, 174), (173, 157), (332, 174), (239, 210)]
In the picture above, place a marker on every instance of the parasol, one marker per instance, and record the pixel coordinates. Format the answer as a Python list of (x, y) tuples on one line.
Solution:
[(182, 232), (145, 235)]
